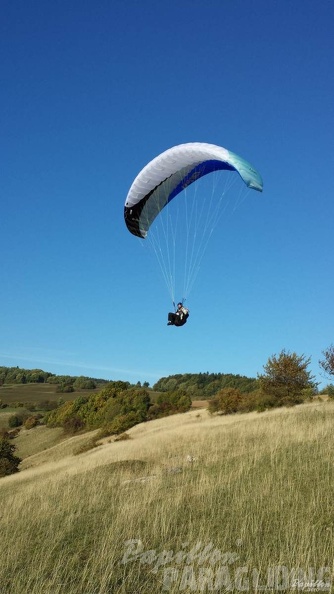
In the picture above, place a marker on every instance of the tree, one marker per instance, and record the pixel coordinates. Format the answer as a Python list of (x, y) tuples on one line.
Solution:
[(327, 364), (84, 383), (226, 402), (8, 461), (287, 380)]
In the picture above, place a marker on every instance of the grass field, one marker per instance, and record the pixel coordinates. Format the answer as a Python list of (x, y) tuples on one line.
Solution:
[(24, 393), (190, 503)]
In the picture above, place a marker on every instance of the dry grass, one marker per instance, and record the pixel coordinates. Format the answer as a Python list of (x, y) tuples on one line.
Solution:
[(200, 404), (4, 418), (258, 487)]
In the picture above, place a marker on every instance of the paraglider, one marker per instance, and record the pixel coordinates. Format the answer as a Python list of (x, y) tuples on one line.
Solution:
[(178, 318), (152, 195)]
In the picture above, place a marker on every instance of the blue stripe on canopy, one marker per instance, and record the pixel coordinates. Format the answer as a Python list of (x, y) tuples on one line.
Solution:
[(199, 171)]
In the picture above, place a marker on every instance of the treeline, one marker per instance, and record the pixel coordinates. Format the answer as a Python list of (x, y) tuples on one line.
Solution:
[(206, 385), (196, 385), (65, 383)]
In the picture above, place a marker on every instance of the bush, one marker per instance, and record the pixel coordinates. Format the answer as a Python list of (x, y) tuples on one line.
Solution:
[(120, 424), (30, 422), (226, 402), (169, 403), (14, 433), (9, 463), (265, 401), (15, 421), (73, 425), (115, 409)]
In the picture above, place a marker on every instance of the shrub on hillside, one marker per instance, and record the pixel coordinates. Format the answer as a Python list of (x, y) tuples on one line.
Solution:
[(230, 401), (96, 410), (30, 422), (9, 463), (120, 424), (16, 420), (58, 416), (115, 409), (226, 402), (133, 400), (265, 401), (169, 403), (73, 424), (87, 407), (12, 433)]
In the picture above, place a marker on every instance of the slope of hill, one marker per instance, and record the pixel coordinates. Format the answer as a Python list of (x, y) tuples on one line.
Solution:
[(186, 503)]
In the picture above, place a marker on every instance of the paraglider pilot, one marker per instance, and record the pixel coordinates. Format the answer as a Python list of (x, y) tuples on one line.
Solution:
[(179, 317)]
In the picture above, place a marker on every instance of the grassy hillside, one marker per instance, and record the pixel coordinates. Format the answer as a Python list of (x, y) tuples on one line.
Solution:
[(190, 503)]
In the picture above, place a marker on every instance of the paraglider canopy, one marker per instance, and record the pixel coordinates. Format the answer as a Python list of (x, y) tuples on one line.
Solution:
[(176, 205), (174, 170)]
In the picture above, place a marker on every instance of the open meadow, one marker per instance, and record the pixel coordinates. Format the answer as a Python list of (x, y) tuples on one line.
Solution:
[(188, 503), (37, 393)]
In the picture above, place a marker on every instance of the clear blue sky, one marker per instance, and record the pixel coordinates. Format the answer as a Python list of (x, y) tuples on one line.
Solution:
[(93, 90)]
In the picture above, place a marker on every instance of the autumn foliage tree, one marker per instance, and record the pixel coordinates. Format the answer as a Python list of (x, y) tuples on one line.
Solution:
[(327, 363), (287, 380), (226, 402)]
